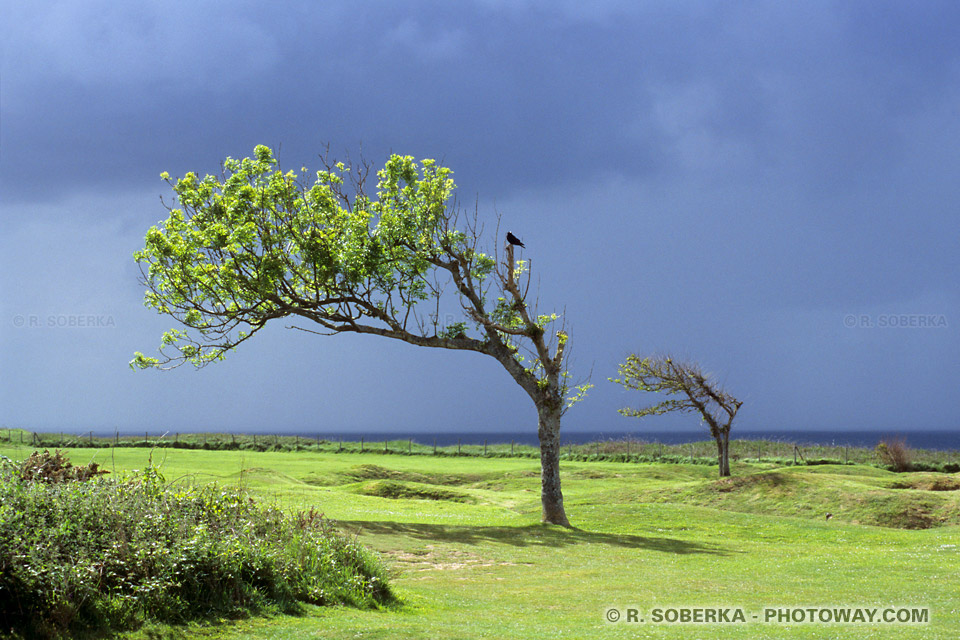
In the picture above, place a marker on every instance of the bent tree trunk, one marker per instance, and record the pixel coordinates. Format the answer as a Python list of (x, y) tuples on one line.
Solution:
[(723, 453), (550, 495)]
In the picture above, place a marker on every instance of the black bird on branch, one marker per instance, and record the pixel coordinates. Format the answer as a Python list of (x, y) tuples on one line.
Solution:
[(512, 239)]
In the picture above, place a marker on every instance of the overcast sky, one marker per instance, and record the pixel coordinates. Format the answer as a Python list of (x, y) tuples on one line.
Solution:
[(759, 186)]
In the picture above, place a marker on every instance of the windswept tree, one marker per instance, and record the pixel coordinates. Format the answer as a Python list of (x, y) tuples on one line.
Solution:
[(256, 244), (695, 391)]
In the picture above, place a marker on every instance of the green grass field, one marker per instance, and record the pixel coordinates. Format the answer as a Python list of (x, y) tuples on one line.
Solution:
[(471, 560)]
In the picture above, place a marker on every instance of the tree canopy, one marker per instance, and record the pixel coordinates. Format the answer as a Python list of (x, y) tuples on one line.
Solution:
[(258, 243)]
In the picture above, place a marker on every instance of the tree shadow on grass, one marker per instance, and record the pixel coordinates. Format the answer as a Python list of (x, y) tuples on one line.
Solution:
[(527, 536)]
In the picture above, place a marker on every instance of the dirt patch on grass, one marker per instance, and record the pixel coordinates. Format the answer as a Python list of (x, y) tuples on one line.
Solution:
[(376, 472), (595, 474), (433, 559), (489, 485), (910, 516), (395, 490), (735, 483), (927, 483)]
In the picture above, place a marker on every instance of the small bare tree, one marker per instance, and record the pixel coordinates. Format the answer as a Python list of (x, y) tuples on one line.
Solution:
[(895, 453), (696, 392)]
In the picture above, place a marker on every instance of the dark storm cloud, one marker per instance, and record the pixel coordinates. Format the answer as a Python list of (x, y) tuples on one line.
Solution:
[(509, 97)]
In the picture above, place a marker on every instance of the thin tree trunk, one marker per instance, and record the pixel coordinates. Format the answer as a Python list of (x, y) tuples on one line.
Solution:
[(723, 453), (550, 495)]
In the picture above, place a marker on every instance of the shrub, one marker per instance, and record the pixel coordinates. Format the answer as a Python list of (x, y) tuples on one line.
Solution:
[(55, 468), (895, 454), (98, 554)]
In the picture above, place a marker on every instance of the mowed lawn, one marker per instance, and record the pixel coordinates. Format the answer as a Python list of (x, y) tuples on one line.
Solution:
[(471, 560)]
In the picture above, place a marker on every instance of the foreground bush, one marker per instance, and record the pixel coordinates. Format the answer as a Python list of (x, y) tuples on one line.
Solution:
[(81, 554)]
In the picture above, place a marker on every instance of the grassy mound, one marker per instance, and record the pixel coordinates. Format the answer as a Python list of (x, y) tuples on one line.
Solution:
[(868, 497), (81, 554)]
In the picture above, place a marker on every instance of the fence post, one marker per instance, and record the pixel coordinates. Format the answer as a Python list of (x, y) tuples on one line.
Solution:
[(511, 445), (410, 446), (434, 446), (361, 444), (458, 446), (794, 455), (484, 447), (385, 441)]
